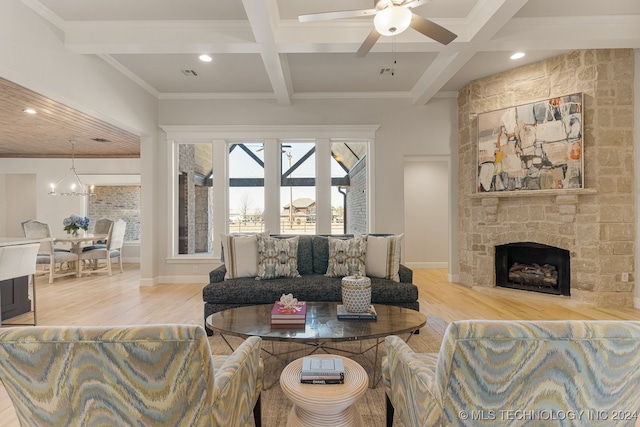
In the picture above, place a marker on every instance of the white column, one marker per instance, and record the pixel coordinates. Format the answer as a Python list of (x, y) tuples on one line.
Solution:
[(323, 186), (220, 193), (272, 158)]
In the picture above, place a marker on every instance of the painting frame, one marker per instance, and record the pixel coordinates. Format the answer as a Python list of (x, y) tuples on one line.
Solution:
[(531, 147)]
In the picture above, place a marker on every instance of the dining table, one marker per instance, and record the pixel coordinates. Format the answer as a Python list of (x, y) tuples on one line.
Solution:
[(77, 241)]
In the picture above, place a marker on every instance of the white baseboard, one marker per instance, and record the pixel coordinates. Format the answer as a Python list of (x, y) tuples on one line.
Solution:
[(149, 282), (199, 279), (453, 278), (426, 264)]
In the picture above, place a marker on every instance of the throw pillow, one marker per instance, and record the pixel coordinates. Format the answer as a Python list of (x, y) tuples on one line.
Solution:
[(240, 254), (346, 257), (277, 257), (383, 257)]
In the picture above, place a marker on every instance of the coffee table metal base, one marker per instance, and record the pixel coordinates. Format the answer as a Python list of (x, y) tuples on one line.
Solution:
[(312, 347)]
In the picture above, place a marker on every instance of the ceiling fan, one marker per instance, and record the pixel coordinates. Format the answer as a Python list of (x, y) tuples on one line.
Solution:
[(391, 17)]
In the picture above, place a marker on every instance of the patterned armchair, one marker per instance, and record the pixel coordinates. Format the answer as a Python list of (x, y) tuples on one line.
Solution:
[(132, 375), (497, 372)]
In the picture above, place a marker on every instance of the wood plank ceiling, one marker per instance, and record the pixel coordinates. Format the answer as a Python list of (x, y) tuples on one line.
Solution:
[(48, 132)]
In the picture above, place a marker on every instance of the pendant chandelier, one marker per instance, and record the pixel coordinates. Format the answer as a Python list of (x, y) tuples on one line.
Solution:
[(70, 184)]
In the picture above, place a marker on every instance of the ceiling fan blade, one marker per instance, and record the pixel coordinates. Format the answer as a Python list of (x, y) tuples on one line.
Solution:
[(368, 43), (432, 30), (325, 16), (414, 3)]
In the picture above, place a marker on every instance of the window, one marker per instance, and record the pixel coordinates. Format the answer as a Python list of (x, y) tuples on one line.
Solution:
[(195, 198), (246, 187), (245, 179), (298, 187), (349, 187)]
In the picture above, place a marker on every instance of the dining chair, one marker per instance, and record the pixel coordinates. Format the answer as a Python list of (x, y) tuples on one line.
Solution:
[(103, 226), (113, 249), (144, 375), (48, 256)]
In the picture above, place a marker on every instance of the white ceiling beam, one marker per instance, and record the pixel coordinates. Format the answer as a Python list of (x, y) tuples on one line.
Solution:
[(259, 16), (438, 73), (109, 37), (486, 19)]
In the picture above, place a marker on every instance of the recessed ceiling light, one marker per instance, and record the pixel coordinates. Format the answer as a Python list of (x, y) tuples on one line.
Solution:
[(517, 55), (29, 111), (205, 58)]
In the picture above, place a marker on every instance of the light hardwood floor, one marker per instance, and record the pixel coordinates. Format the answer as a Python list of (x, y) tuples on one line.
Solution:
[(116, 300)]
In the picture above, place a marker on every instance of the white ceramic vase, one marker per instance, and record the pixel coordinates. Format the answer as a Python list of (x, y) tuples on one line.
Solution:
[(356, 293)]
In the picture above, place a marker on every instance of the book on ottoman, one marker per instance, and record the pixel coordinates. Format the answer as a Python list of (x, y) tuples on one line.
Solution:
[(322, 370), (281, 315)]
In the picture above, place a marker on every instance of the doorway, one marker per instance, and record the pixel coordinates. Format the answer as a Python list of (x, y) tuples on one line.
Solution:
[(426, 211)]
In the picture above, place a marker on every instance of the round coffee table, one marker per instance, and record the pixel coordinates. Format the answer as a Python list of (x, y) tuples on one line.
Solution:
[(322, 328), (324, 404)]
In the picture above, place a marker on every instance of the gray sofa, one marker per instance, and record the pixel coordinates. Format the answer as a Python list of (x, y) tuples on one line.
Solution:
[(312, 285)]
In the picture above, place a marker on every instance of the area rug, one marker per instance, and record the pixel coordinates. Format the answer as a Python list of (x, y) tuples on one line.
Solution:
[(276, 406)]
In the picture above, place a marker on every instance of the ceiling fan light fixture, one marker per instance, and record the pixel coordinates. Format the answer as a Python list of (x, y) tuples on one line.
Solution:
[(392, 20)]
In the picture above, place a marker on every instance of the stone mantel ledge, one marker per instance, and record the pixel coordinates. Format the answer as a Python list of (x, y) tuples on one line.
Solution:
[(565, 199), (536, 193)]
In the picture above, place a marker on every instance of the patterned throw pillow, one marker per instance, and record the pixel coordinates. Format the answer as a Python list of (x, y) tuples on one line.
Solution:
[(346, 257), (277, 257), (383, 257), (240, 254)]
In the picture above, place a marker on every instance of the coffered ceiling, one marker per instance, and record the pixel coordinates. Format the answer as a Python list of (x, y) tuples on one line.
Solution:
[(261, 51)]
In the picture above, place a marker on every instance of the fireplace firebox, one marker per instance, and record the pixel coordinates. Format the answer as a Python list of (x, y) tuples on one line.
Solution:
[(533, 267)]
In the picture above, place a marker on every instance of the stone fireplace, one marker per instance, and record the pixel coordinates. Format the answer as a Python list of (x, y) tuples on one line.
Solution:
[(595, 225), (533, 267)]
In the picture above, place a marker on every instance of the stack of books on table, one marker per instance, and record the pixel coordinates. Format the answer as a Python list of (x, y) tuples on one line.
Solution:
[(343, 314), (322, 370), (283, 316)]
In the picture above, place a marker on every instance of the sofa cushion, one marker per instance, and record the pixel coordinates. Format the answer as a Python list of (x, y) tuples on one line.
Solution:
[(346, 257), (383, 257), (320, 254), (277, 257), (240, 255), (305, 252)]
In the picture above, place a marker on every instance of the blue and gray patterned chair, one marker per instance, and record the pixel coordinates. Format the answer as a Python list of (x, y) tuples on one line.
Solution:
[(131, 375), (507, 373)]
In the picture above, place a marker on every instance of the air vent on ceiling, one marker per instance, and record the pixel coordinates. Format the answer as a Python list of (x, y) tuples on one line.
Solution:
[(387, 71), (100, 140), (190, 73)]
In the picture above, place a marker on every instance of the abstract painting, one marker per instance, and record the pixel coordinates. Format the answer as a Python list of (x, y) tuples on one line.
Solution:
[(536, 146)]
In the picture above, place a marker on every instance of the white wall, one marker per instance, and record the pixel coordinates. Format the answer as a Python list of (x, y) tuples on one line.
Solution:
[(426, 216), (20, 199)]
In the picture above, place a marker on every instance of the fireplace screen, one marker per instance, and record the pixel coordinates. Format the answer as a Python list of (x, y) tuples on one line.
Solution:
[(533, 267)]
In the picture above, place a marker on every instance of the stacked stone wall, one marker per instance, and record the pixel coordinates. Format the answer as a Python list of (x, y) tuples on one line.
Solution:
[(596, 224), (117, 202)]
